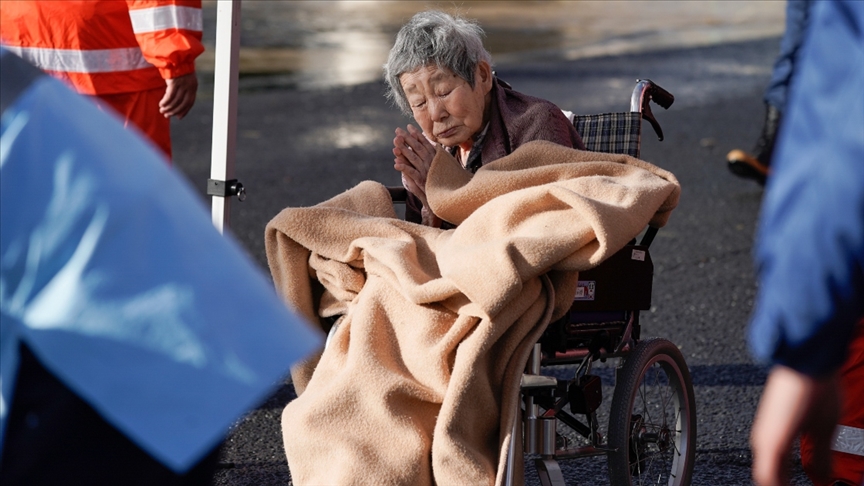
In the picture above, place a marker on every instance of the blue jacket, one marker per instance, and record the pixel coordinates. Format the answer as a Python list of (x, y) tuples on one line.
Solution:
[(810, 248)]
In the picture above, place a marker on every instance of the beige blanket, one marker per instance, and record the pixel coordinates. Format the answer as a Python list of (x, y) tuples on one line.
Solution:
[(420, 383)]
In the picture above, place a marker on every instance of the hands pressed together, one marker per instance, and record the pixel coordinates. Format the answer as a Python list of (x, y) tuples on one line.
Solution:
[(413, 157)]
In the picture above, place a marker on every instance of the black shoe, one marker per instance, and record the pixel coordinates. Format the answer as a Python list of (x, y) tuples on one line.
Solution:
[(757, 167)]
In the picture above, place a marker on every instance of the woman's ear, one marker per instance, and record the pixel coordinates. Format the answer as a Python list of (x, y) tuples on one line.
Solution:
[(483, 76)]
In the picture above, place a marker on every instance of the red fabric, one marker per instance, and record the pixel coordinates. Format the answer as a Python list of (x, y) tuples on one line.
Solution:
[(141, 111), (172, 51), (846, 467), (97, 25)]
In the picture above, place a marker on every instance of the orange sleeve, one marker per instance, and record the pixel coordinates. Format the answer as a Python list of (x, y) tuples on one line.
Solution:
[(169, 33)]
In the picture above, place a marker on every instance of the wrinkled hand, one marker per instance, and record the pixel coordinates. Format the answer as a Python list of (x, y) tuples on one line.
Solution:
[(414, 154), (179, 96), (793, 403)]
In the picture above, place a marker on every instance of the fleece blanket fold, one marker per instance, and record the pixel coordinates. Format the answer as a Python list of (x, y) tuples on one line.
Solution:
[(419, 384)]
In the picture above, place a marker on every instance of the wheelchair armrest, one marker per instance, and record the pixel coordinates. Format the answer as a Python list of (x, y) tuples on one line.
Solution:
[(398, 193)]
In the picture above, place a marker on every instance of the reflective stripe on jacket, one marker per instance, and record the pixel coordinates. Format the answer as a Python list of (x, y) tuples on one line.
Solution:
[(105, 46)]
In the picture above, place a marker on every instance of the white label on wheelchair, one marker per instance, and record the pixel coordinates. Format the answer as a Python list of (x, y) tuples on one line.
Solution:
[(638, 255), (585, 290)]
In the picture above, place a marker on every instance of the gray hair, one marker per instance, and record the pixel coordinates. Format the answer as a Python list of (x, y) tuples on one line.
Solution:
[(434, 37)]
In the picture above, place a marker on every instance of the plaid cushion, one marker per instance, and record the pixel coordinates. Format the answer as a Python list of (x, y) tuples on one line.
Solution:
[(617, 133)]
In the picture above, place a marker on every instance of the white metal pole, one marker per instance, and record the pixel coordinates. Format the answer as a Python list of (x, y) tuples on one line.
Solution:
[(225, 104)]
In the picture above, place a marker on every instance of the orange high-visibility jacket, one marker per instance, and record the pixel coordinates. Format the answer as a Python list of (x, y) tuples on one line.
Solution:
[(106, 46)]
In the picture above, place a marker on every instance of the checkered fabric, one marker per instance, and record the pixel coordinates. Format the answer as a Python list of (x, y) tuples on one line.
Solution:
[(618, 133)]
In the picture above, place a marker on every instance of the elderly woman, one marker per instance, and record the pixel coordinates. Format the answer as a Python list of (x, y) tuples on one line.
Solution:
[(419, 383), (439, 72)]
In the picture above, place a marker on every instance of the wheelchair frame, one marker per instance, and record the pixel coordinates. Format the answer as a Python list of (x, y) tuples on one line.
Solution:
[(647, 444)]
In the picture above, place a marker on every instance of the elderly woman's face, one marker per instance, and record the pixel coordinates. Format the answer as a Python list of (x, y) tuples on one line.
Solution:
[(445, 106)]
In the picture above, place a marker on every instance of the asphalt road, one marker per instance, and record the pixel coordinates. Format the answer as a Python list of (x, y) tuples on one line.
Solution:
[(300, 147)]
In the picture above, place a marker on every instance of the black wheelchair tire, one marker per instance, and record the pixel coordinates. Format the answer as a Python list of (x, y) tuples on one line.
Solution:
[(652, 422)]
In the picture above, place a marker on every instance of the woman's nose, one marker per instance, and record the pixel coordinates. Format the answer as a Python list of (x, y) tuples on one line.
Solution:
[(437, 111)]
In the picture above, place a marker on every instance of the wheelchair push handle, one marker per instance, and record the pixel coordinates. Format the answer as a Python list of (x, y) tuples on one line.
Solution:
[(644, 93)]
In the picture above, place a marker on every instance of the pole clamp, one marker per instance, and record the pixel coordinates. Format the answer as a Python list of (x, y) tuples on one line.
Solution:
[(226, 189)]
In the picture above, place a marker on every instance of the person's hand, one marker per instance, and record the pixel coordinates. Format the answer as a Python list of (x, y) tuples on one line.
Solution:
[(179, 96), (413, 157), (793, 403)]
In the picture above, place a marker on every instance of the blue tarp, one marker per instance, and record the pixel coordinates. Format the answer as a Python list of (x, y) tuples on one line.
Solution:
[(111, 272)]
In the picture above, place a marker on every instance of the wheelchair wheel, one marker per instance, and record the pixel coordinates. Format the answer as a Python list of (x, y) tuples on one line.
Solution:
[(652, 423)]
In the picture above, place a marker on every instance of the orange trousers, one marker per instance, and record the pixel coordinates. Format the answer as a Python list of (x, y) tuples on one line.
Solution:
[(140, 109), (846, 466)]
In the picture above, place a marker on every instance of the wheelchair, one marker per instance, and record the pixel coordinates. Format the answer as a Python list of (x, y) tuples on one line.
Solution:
[(651, 431)]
